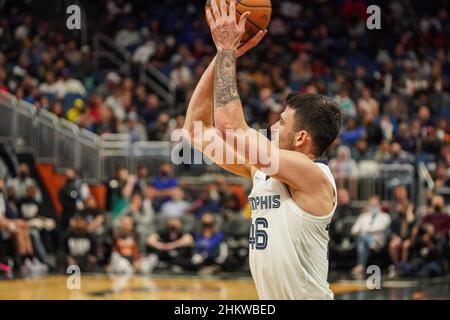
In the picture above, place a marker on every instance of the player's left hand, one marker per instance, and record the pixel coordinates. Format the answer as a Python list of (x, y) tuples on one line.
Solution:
[(225, 30)]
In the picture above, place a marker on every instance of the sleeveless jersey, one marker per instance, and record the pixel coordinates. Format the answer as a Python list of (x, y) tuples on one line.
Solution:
[(288, 246)]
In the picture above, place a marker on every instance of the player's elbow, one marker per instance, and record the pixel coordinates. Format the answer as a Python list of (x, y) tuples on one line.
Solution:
[(222, 126), (188, 131)]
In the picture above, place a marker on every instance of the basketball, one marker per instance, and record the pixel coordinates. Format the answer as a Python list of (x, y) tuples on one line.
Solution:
[(261, 12)]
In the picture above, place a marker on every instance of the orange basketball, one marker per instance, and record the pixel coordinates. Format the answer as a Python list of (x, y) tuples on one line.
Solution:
[(261, 11)]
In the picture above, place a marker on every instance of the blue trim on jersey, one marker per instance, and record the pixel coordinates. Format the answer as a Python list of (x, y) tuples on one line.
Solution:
[(325, 162)]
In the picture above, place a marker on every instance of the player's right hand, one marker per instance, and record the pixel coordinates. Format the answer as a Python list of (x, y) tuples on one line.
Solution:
[(246, 46)]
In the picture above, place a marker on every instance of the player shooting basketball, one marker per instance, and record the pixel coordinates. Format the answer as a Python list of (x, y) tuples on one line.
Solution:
[(292, 207)]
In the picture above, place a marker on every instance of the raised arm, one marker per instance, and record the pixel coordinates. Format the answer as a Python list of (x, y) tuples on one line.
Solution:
[(293, 168), (199, 126)]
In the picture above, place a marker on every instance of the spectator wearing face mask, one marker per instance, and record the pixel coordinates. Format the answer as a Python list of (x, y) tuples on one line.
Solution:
[(12, 227), (39, 226), (210, 249), (172, 246), (71, 196), (20, 183), (371, 229), (163, 186), (79, 245)]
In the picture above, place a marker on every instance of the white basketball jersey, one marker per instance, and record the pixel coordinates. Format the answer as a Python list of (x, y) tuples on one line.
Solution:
[(288, 246)]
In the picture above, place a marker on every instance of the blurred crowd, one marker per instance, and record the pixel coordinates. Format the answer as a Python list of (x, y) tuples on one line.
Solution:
[(405, 239), (148, 223), (392, 85)]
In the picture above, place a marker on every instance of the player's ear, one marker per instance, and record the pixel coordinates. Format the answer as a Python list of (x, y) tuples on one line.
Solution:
[(300, 138)]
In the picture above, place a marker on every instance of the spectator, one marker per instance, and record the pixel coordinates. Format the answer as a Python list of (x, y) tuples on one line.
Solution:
[(158, 130), (23, 180), (368, 107), (346, 104), (126, 256), (94, 216), (135, 129), (143, 180), (75, 112), (141, 211), (398, 156), (11, 226), (107, 123), (352, 133), (361, 151), (49, 87), (344, 207), (119, 190), (79, 245), (210, 250), (173, 247), (402, 223), (205, 202), (69, 85), (71, 196), (144, 52), (371, 230), (345, 170), (342, 244), (152, 110), (108, 87), (129, 37), (176, 207), (438, 218), (38, 225), (382, 154), (424, 254), (163, 185), (231, 207)]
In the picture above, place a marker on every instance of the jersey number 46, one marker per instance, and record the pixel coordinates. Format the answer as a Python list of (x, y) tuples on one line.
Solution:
[(258, 236)]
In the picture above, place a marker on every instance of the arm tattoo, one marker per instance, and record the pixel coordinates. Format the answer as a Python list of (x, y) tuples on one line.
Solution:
[(225, 86)]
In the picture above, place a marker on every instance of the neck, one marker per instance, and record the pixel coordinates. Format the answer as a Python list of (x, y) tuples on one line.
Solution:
[(309, 154)]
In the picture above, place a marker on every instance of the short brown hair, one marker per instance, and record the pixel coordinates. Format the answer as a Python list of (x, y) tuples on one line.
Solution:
[(317, 114)]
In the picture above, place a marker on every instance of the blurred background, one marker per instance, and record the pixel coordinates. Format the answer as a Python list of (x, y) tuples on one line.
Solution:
[(86, 118)]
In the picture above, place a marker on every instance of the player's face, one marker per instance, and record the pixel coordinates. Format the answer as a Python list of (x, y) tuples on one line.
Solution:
[(283, 130)]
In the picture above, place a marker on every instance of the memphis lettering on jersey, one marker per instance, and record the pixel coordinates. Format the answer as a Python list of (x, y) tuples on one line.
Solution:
[(265, 202)]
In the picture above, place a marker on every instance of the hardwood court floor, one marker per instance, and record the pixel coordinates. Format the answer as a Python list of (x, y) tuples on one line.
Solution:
[(137, 288)]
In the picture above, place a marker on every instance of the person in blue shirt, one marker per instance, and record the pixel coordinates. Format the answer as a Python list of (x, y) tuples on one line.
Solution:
[(163, 185), (210, 248), (352, 132)]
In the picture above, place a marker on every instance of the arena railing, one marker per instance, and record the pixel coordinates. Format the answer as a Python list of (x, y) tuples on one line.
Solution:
[(95, 158), (425, 184), (117, 58), (104, 49)]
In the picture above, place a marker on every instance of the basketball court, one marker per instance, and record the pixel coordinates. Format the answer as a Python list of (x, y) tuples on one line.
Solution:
[(104, 287)]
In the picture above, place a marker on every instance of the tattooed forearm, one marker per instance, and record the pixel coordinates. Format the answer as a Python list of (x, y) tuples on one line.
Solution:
[(225, 86)]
